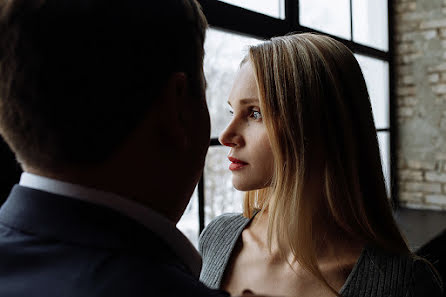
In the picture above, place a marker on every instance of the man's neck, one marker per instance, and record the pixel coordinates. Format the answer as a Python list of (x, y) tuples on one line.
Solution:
[(140, 188)]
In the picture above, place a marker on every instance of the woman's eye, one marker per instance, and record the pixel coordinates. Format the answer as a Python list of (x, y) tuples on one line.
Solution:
[(256, 114), (231, 112)]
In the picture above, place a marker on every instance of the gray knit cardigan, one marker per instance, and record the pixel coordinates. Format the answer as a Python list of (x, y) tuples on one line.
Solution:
[(376, 273)]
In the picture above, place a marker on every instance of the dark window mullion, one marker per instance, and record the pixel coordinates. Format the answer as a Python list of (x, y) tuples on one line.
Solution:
[(383, 130), (298, 12), (214, 141), (392, 106), (201, 222), (351, 20), (292, 13)]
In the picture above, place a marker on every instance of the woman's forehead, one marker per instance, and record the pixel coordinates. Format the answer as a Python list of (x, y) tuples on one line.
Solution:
[(244, 90)]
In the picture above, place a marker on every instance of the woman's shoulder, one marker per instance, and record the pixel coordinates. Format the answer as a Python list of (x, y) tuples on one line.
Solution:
[(392, 274), (221, 229), (216, 244)]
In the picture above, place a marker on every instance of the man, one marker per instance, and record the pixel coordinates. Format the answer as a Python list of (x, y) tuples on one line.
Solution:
[(102, 102)]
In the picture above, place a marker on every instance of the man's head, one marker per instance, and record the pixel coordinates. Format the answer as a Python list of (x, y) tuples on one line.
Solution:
[(78, 76)]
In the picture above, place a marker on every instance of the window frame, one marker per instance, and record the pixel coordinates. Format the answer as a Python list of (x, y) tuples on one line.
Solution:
[(221, 15)]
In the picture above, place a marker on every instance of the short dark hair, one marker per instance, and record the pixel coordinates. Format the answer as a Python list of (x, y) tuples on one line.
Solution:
[(77, 76)]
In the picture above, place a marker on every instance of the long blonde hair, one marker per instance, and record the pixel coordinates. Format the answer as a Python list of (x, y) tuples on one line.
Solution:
[(317, 112)]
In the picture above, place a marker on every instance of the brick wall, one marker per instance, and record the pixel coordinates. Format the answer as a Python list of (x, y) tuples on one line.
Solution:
[(420, 54)]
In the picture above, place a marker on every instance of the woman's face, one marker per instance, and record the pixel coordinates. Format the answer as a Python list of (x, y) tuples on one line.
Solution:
[(251, 157)]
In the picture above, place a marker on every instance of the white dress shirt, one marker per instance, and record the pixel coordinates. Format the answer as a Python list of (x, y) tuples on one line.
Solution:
[(152, 220)]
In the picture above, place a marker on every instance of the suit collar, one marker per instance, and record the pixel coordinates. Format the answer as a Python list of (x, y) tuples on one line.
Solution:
[(147, 217), (60, 218)]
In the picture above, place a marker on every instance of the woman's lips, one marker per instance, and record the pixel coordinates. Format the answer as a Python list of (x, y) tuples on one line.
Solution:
[(236, 164)]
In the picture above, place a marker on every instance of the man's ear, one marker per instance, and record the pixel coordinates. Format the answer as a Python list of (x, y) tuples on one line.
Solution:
[(179, 85), (181, 88), (176, 91), (176, 99)]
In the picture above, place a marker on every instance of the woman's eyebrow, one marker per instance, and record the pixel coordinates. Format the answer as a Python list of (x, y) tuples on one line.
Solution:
[(246, 101)]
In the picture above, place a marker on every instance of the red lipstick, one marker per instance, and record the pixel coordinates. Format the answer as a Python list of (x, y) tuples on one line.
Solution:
[(236, 164)]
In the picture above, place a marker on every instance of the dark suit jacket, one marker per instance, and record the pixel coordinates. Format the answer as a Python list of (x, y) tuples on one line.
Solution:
[(54, 246)]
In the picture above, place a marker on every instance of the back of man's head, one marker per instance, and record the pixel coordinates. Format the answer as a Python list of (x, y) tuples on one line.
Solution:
[(77, 76)]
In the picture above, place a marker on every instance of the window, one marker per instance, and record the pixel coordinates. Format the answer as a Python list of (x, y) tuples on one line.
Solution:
[(189, 221), (376, 75), (384, 147), (223, 53), (221, 197), (235, 24), (274, 8), (370, 23), (319, 14)]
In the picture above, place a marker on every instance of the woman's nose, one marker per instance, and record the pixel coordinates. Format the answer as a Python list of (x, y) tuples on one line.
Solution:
[(230, 137), (224, 139)]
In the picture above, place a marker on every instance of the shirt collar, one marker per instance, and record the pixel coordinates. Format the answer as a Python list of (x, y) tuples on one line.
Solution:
[(152, 220)]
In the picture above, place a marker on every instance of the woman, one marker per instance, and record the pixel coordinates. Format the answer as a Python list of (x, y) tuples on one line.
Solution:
[(317, 220)]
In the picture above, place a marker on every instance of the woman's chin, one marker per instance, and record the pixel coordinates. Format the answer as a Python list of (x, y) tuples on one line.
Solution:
[(240, 186), (244, 186)]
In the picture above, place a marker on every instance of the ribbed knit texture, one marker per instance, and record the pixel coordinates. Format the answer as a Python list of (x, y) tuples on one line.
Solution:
[(376, 273)]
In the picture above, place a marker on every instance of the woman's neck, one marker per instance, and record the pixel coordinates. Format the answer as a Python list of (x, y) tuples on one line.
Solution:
[(334, 245)]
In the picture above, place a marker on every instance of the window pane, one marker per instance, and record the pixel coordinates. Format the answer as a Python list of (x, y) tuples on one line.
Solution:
[(224, 52), (220, 195), (330, 16), (274, 8), (189, 223), (376, 73), (370, 23), (384, 147)]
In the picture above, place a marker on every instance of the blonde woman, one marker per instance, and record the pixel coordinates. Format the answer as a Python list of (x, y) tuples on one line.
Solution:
[(316, 220)]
